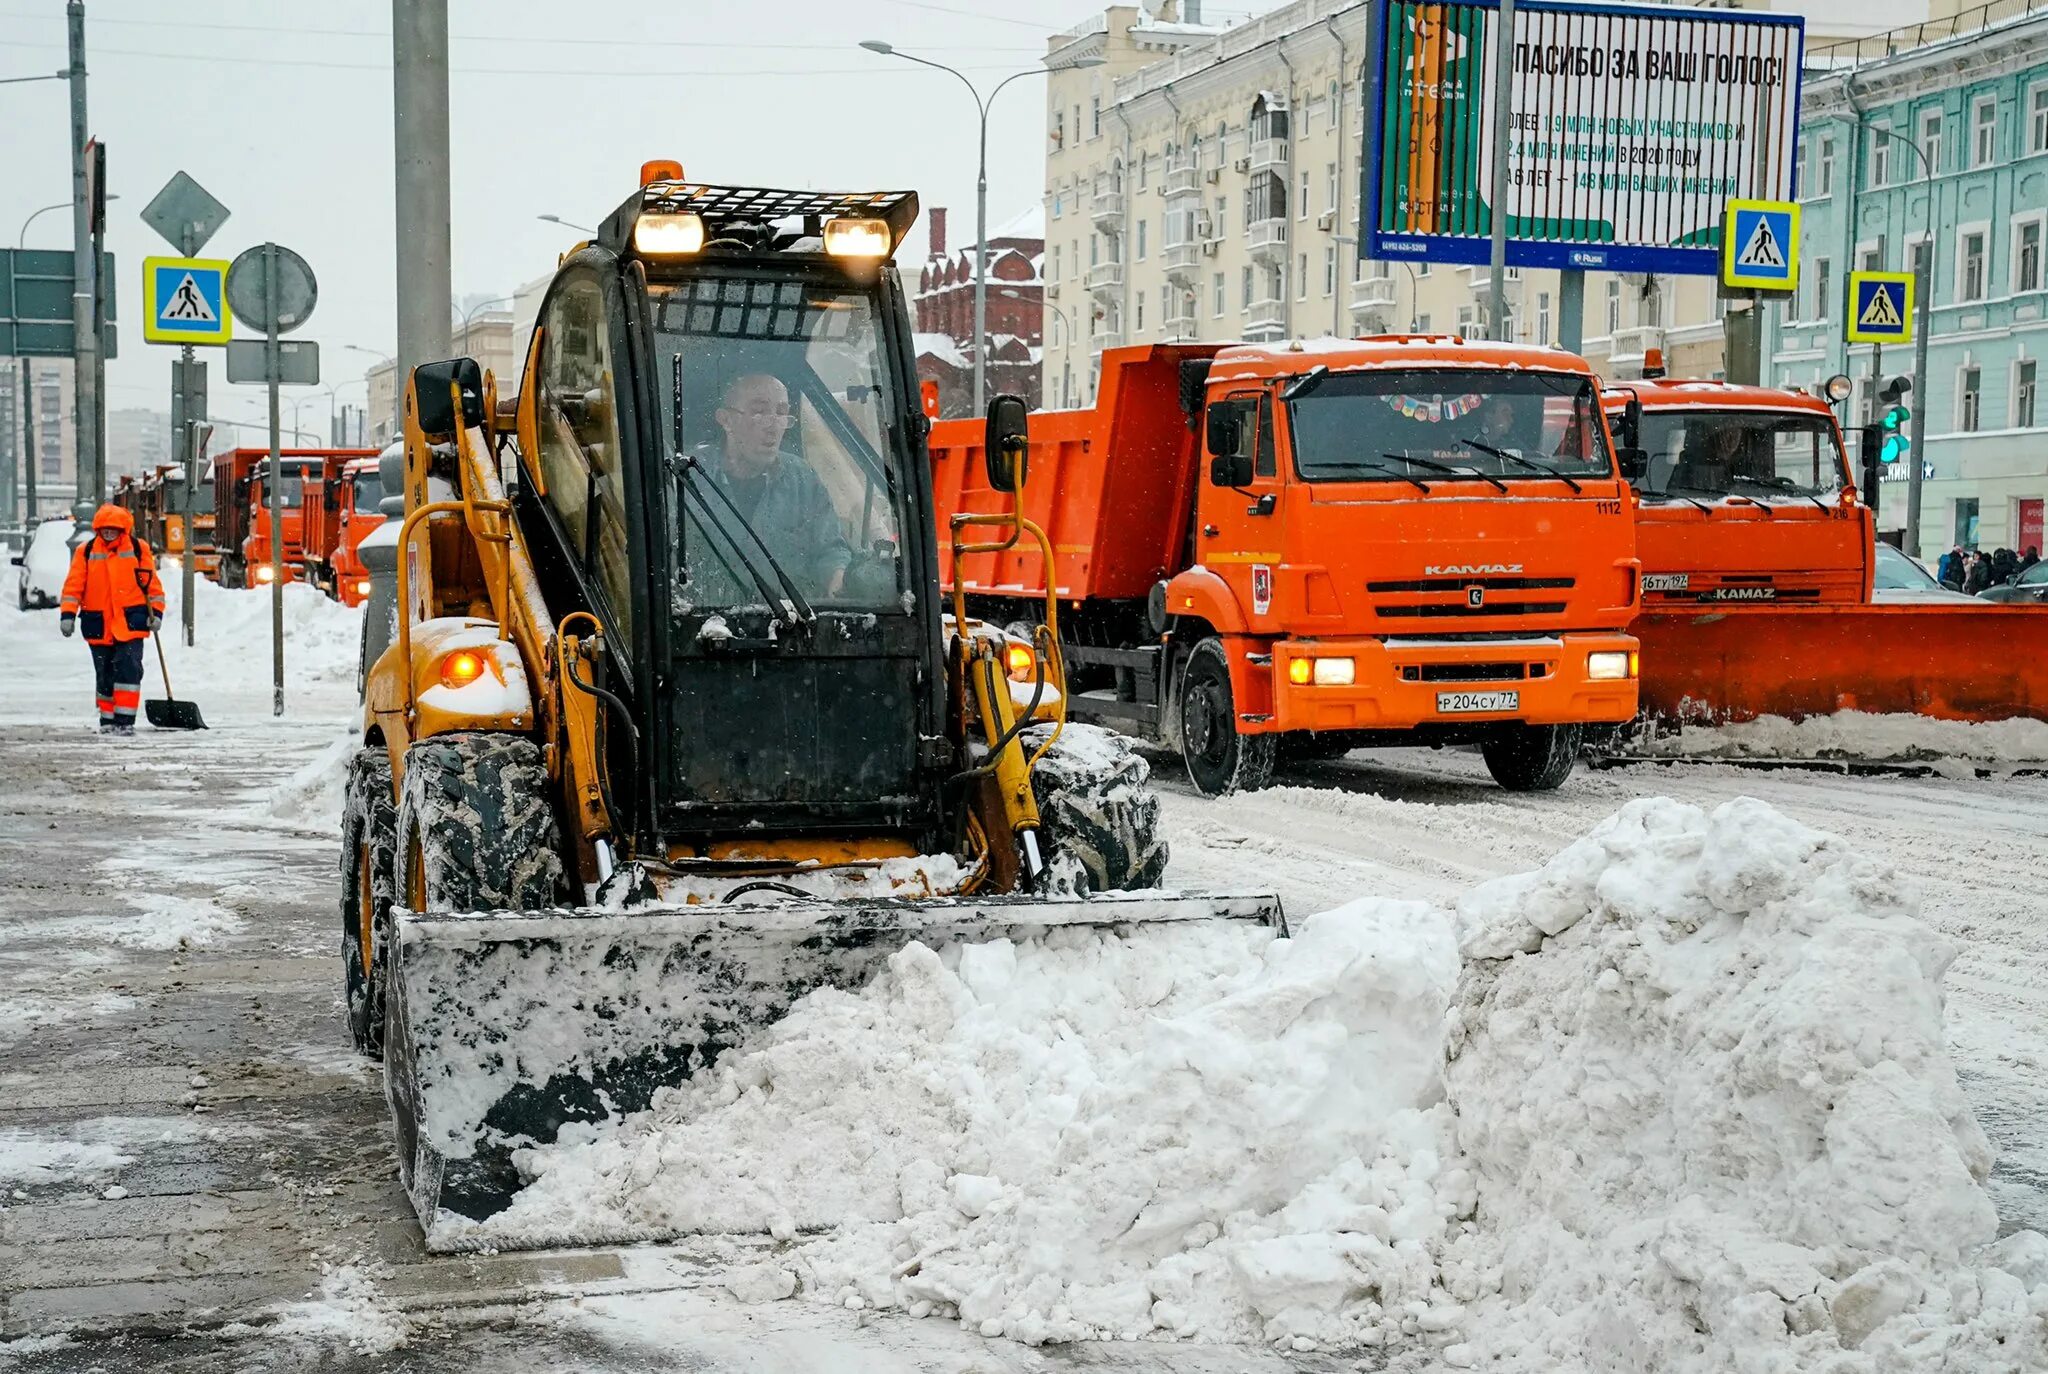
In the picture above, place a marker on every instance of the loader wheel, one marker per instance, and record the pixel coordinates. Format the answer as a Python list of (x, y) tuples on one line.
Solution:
[(1220, 760), (1532, 758), (476, 826), (1097, 812), (369, 837)]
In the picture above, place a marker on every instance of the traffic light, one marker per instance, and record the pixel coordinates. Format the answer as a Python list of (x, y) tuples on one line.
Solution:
[(1894, 443)]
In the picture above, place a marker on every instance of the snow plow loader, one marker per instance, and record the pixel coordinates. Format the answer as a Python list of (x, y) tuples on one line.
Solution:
[(1765, 591), (675, 727)]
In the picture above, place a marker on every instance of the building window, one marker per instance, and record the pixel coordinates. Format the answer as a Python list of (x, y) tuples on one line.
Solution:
[(1058, 203), (1824, 171), (1969, 399), (1870, 260), (1822, 282), (1333, 113), (2023, 394), (2037, 119), (1246, 292), (1984, 131), (1970, 269), (1216, 291), (1144, 165), (1141, 240), (1966, 521), (1543, 318), (1613, 305), (1331, 204), (1265, 198), (1465, 321), (1059, 129), (1330, 270), (1421, 269), (1917, 263), (1301, 206), (1880, 156), (1866, 398), (1301, 279), (1219, 225), (1138, 306), (2026, 255), (1095, 118), (1059, 331), (1422, 324), (1930, 144)]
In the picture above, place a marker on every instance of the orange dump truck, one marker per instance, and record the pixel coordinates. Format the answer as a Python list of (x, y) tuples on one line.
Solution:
[(242, 509), (1325, 545), (350, 509), (1759, 566)]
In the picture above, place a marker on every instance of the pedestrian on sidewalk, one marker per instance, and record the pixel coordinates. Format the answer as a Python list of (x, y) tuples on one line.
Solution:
[(113, 588)]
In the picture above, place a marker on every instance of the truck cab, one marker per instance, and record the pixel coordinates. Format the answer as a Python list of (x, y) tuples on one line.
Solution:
[(1339, 543), (358, 509)]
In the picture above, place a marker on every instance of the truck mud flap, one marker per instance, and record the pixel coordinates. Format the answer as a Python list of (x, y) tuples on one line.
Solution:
[(503, 1027)]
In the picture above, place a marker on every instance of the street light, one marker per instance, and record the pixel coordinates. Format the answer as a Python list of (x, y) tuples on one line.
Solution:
[(397, 396), (557, 219), (60, 205), (481, 305), (981, 105)]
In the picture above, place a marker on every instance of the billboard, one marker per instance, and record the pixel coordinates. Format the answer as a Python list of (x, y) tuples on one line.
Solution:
[(1630, 129)]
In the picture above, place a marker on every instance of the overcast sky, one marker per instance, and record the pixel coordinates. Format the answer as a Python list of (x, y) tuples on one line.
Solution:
[(283, 111)]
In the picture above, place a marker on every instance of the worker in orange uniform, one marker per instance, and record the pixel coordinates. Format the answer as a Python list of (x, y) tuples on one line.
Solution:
[(114, 589)]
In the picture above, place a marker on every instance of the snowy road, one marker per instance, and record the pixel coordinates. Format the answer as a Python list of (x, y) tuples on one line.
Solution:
[(186, 1143)]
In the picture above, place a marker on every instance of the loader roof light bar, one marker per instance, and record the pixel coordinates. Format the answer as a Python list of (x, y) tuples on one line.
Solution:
[(668, 236), (753, 219)]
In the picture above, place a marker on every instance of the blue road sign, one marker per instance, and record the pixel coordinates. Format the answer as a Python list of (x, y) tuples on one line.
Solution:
[(185, 301), (1760, 245), (1880, 307)]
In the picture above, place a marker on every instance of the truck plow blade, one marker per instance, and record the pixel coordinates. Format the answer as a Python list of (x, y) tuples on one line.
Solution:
[(503, 1027), (1949, 661)]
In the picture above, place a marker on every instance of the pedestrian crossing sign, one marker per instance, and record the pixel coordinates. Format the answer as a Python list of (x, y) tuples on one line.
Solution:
[(185, 301), (1881, 307), (1760, 245)]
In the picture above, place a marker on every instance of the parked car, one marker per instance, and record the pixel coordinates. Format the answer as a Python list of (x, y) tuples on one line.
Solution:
[(1897, 577), (45, 564), (2029, 588)]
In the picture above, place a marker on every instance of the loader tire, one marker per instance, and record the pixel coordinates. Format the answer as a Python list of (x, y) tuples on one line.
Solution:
[(476, 826), (1532, 758), (1097, 812), (369, 839), (1220, 758)]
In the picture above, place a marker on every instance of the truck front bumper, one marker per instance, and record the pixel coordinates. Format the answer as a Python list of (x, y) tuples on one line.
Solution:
[(1401, 684)]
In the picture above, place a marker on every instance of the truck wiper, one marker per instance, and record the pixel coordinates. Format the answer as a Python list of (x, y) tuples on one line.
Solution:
[(1382, 467), (1506, 456), (1669, 495), (795, 610), (1305, 383), (1779, 484), (1444, 468)]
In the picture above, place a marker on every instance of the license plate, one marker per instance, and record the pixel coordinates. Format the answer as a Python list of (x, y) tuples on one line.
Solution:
[(1666, 582), (1457, 703)]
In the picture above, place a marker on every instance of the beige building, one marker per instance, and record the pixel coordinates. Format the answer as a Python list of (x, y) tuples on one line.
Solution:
[(1202, 184), (488, 337)]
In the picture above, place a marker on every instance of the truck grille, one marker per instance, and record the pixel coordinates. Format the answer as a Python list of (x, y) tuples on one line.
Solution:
[(1438, 610), (1450, 597), (1459, 584), (1473, 672)]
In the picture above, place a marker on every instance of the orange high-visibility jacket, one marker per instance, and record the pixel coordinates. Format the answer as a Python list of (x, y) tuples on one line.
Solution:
[(113, 590)]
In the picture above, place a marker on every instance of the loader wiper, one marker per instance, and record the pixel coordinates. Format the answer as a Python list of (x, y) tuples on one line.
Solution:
[(791, 606), (1509, 456), (1447, 470)]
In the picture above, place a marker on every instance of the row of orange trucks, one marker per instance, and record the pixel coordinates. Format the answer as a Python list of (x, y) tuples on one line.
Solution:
[(328, 505), (1314, 546)]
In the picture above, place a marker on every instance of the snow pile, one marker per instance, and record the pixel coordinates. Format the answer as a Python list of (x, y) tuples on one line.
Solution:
[(910, 876), (1200, 1132), (28, 1158), (313, 795), (231, 629), (1697, 1063), (22, 1013), (166, 922), (1860, 735), (345, 1309)]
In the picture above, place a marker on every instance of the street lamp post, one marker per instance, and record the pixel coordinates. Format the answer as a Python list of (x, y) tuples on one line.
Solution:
[(381, 357), (557, 219), (981, 107)]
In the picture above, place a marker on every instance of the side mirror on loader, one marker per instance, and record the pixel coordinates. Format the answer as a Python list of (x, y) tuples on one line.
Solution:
[(436, 407), (1225, 432), (1006, 442)]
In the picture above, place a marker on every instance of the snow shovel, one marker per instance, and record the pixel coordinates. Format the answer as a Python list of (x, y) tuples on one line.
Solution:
[(171, 713)]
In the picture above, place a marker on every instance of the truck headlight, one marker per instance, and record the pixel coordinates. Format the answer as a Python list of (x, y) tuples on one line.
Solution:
[(363, 586), (1335, 672), (1611, 666), (265, 573)]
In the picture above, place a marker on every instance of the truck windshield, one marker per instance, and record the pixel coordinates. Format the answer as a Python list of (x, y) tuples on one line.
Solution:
[(783, 421), (1482, 423), (1753, 453), (369, 493)]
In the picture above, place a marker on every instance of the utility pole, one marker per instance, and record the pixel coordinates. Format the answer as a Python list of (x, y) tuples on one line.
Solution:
[(1916, 454), (1503, 98), (419, 135), (85, 347), (28, 442)]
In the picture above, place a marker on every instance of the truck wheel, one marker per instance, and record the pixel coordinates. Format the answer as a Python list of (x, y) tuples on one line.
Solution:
[(1532, 758), (476, 827), (369, 835), (1097, 812), (1220, 760)]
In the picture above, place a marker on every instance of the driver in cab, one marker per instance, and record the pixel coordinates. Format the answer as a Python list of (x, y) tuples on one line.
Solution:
[(774, 490)]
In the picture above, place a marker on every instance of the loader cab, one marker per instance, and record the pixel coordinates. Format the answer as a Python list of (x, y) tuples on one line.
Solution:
[(727, 437)]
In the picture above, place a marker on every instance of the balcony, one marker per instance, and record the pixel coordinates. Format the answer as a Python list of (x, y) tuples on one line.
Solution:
[(1106, 277), (1374, 293), (1267, 237), (1109, 211), (1179, 328), (1105, 337), (1269, 154), (1183, 179), (1265, 319), (1629, 345), (1183, 261)]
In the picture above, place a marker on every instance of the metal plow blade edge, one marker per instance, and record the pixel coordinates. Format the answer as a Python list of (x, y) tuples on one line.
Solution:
[(505, 1026)]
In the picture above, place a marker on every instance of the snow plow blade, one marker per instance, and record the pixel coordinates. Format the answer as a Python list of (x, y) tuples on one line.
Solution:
[(1949, 661), (503, 1027)]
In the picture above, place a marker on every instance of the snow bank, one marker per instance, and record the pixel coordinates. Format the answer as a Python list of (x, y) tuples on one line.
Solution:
[(1698, 1067), (166, 922), (231, 630), (1860, 735), (313, 795)]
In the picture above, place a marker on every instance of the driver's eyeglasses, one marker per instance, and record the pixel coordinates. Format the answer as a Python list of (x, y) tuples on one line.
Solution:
[(780, 417)]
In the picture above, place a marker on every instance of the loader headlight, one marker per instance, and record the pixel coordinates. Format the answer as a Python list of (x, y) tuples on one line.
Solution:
[(265, 574), (461, 668), (1019, 661), (668, 235), (857, 238), (1611, 666)]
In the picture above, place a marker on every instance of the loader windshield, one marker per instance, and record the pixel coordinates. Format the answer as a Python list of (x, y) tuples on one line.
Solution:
[(1439, 425), (785, 427), (1752, 453)]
